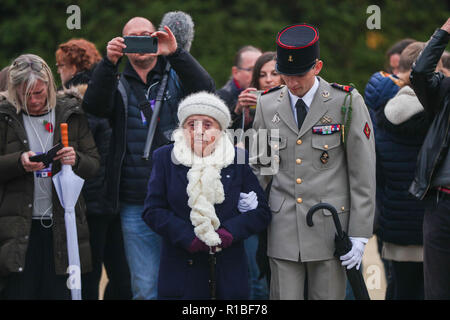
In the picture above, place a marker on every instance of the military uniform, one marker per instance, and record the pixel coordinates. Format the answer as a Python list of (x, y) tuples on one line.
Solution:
[(315, 164)]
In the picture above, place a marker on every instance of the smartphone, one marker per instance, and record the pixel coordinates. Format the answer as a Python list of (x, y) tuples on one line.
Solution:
[(47, 157), (140, 44), (257, 93)]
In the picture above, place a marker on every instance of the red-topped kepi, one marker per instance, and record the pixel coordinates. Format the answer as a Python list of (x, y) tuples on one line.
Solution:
[(297, 49)]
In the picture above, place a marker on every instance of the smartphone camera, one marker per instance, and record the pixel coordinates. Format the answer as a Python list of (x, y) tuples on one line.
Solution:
[(140, 44)]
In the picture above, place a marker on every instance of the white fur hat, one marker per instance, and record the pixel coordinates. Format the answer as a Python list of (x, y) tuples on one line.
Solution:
[(204, 103)]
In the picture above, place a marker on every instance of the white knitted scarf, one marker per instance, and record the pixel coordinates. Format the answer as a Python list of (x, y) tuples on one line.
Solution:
[(204, 186)]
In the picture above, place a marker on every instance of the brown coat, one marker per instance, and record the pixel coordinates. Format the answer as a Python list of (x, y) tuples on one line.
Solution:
[(17, 187)]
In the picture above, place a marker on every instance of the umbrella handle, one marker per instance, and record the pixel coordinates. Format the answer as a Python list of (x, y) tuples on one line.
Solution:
[(334, 214), (64, 134)]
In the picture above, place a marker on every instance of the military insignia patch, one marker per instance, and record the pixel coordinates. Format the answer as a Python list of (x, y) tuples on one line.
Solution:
[(326, 129), (326, 120), (367, 130), (342, 87), (324, 157), (272, 89), (275, 118)]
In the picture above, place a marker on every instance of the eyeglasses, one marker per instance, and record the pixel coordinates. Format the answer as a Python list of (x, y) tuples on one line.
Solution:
[(246, 69), (36, 66)]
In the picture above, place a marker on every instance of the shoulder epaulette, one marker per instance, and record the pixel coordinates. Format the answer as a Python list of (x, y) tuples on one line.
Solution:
[(342, 87), (273, 89)]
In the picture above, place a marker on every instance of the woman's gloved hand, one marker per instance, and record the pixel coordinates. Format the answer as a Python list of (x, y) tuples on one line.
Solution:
[(247, 201), (198, 245), (226, 238)]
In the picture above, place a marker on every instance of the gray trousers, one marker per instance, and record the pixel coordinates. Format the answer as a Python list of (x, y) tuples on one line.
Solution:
[(326, 280)]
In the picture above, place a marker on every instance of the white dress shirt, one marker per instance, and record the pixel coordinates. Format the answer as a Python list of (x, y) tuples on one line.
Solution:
[(307, 98)]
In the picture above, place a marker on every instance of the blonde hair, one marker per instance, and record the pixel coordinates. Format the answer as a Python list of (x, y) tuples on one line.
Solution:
[(26, 70)]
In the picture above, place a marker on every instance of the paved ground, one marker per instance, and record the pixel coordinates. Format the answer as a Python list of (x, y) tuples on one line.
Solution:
[(373, 272)]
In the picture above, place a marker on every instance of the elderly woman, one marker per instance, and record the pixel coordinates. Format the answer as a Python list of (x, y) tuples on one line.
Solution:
[(33, 250), (203, 197)]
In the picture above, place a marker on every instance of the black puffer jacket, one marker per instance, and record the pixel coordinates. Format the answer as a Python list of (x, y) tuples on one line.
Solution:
[(432, 89)]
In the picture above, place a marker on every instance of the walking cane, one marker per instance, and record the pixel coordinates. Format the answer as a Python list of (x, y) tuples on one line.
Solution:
[(212, 274)]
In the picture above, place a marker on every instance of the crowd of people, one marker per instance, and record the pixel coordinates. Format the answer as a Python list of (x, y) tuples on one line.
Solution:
[(174, 207)]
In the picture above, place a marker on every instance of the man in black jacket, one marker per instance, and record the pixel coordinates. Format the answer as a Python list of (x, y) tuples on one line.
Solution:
[(432, 177), (127, 100)]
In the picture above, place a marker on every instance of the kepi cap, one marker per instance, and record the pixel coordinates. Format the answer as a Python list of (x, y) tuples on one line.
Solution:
[(297, 49)]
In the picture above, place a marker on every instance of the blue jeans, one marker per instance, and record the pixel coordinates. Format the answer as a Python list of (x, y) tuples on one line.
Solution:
[(258, 288), (142, 249)]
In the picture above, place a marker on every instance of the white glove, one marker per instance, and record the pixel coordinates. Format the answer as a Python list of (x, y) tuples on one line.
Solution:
[(354, 256), (247, 201)]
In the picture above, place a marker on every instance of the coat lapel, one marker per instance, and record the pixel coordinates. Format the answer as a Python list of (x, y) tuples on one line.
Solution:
[(318, 107), (285, 110), (227, 178), (182, 172)]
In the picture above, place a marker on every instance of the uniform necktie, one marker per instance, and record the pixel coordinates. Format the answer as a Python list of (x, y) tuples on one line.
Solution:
[(301, 112)]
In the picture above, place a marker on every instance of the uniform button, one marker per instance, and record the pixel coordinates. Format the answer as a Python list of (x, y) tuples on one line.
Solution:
[(26, 237), (275, 146), (276, 158), (325, 146), (190, 262), (342, 208), (25, 141), (299, 181), (299, 141), (30, 205), (299, 200), (298, 161), (20, 269)]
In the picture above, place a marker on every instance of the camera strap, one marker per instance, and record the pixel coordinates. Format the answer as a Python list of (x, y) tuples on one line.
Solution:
[(154, 119)]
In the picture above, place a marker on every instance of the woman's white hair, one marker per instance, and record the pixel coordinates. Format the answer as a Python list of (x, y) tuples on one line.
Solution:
[(24, 73)]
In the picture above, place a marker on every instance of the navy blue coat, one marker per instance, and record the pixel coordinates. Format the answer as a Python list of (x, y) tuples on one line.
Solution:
[(183, 275)]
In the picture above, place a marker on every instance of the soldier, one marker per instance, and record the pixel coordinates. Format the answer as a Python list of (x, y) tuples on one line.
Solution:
[(324, 151)]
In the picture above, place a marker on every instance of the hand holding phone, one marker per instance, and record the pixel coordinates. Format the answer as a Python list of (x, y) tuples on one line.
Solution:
[(28, 165), (257, 93), (47, 158), (140, 44)]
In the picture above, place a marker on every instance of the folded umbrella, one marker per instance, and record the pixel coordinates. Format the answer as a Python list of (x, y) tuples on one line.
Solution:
[(68, 187), (343, 246)]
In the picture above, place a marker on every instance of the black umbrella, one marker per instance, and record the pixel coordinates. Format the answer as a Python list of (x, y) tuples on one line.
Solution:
[(343, 246)]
